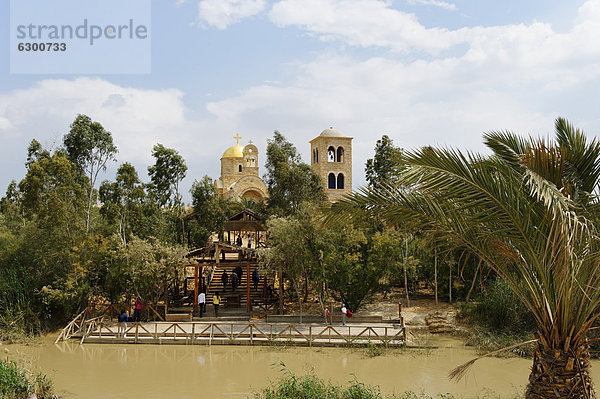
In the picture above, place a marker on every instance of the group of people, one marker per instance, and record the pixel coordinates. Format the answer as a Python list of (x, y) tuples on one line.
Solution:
[(236, 278), (124, 318), (238, 241), (137, 311)]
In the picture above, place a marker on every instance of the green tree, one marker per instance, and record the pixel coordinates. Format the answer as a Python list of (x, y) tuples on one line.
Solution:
[(122, 201), (341, 262), (210, 212), (288, 252), (529, 211), (10, 206), (289, 180), (153, 267), (358, 261), (35, 152), (53, 193), (90, 147), (381, 169), (53, 202), (166, 174)]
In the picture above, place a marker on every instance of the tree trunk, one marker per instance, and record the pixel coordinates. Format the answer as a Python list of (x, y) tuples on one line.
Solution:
[(560, 374), (322, 307), (305, 298), (435, 275), (404, 266), (450, 284), (473, 283), (297, 288), (280, 278)]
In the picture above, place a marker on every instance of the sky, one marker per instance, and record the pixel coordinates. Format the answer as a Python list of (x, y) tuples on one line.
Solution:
[(424, 72)]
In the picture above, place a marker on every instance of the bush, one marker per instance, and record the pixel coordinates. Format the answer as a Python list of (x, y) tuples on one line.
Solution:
[(311, 387), (290, 386), (500, 310), (18, 383)]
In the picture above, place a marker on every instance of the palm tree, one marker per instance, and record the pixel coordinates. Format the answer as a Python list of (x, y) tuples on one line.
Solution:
[(530, 212)]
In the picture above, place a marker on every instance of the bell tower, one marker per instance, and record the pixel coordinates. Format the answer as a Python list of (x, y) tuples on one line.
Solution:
[(331, 159)]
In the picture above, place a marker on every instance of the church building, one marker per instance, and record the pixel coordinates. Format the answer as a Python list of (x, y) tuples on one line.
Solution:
[(331, 159), (239, 174)]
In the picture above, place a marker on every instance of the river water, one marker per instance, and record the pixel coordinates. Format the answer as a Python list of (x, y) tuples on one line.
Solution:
[(94, 371)]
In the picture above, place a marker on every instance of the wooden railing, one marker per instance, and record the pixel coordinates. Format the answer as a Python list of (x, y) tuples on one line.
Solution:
[(244, 333), (75, 326), (89, 326)]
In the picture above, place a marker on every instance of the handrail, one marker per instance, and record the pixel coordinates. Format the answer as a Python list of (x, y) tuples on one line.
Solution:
[(245, 333), (67, 332), (212, 275)]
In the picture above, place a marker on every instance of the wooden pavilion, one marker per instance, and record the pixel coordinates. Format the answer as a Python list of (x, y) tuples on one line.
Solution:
[(212, 260), (245, 224)]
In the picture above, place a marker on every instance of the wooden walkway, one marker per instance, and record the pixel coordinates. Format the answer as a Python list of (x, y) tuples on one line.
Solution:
[(241, 333)]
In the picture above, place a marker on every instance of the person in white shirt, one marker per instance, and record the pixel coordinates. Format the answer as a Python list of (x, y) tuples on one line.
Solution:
[(202, 302), (344, 312)]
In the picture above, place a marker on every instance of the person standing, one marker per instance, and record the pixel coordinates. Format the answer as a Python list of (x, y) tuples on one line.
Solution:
[(255, 278), (224, 279), (216, 303), (249, 242), (344, 313), (234, 281), (123, 324), (238, 241), (202, 303), (137, 312)]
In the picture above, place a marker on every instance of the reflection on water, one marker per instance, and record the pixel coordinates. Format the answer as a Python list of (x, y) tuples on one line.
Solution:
[(172, 371)]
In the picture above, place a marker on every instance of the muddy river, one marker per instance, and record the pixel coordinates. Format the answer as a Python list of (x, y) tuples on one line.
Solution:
[(93, 371)]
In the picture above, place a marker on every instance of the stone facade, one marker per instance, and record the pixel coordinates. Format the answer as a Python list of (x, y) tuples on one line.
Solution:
[(331, 159), (239, 174)]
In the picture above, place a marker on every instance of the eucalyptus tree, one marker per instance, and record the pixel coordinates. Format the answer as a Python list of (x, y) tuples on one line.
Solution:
[(122, 201), (210, 212), (290, 181), (381, 168), (530, 212), (90, 147), (166, 174)]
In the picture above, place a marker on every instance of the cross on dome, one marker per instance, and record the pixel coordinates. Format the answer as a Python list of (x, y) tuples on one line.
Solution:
[(237, 137)]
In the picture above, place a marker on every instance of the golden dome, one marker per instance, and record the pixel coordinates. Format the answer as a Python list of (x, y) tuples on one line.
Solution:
[(236, 151)]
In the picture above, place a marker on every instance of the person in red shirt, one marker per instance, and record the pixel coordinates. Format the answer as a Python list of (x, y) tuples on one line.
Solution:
[(137, 312)]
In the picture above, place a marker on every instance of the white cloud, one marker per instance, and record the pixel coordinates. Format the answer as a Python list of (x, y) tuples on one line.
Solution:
[(361, 23), (441, 4), (373, 23), (222, 13), (137, 118)]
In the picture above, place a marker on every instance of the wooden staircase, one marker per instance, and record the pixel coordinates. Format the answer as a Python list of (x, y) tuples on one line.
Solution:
[(237, 298)]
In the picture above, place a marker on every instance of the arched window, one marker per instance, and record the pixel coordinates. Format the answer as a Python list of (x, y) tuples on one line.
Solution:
[(331, 154), (239, 167), (340, 154), (316, 155), (340, 182), (331, 181)]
